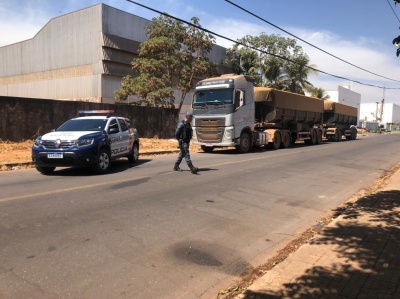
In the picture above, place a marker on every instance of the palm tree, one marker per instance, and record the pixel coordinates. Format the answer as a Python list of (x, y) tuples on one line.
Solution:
[(319, 93), (297, 73)]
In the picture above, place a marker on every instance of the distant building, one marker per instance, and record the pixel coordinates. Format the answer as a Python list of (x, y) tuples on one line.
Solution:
[(79, 56), (371, 113)]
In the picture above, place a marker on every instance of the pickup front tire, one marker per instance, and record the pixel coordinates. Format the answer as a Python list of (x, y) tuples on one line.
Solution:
[(45, 170), (103, 161)]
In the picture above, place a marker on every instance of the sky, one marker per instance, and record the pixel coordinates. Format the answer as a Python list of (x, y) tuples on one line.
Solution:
[(358, 33)]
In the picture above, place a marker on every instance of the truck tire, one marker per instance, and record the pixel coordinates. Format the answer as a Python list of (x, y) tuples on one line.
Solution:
[(45, 170), (319, 136), (277, 141), (134, 154), (207, 149), (338, 135), (245, 143), (286, 140), (313, 137), (103, 161), (354, 134)]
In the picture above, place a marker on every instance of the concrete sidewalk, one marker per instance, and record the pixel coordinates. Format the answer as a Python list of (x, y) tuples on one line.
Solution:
[(357, 255)]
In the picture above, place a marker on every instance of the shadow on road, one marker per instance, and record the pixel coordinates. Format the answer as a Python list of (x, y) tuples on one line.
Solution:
[(366, 260)]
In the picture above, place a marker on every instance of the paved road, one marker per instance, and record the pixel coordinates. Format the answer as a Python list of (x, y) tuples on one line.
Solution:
[(144, 231)]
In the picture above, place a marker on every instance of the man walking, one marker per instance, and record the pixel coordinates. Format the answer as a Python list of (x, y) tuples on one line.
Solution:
[(184, 134)]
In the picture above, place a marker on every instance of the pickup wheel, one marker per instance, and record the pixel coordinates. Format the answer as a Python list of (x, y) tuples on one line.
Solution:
[(207, 149), (45, 170), (134, 155), (277, 141), (245, 143), (103, 161)]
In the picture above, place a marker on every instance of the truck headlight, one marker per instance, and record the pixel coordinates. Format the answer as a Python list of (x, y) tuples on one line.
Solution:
[(85, 142), (228, 133)]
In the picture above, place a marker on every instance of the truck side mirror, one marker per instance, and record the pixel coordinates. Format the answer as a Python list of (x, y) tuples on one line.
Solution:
[(239, 99)]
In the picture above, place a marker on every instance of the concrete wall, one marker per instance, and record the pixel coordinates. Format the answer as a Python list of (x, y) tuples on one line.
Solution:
[(23, 119)]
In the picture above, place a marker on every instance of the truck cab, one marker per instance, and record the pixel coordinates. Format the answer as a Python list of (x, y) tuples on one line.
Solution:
[(224, 112)]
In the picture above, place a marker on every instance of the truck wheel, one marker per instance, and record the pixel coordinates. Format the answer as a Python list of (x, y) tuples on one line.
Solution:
[(207, 149), (286, 140), (134, 155), (354, 134), (338, 135), (245, 143), (319, 136), (313, 137), (103, 161), (277, 141), (45, 170)]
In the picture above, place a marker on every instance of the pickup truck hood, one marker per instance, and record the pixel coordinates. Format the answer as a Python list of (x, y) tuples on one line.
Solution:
[(68, 135)]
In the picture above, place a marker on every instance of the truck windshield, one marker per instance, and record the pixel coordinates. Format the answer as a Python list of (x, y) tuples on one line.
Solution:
[(83, 125), (213, 97)]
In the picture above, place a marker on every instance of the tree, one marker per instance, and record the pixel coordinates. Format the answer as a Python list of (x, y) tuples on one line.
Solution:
[(280, 63), (319, 93), (174, 55)]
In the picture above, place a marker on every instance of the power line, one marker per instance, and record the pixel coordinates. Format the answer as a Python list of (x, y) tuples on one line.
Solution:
[(393, 10), (253, 48), (258, 17)]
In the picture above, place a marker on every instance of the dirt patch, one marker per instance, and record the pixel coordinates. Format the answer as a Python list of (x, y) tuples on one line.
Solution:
[(20, 152)]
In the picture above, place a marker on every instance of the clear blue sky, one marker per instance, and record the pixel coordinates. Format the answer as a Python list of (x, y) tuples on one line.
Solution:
[(359, 32)]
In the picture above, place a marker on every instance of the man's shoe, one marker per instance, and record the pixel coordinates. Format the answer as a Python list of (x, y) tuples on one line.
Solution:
[(193, 169), (176, 167)]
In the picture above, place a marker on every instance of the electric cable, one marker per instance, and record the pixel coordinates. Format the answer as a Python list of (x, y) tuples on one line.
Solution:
[(253, 48), (258, 17)]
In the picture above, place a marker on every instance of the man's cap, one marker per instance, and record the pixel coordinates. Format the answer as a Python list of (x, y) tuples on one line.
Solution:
[(189, 115)]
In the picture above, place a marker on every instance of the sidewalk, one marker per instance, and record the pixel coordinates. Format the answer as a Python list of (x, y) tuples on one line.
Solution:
[(357, 255)]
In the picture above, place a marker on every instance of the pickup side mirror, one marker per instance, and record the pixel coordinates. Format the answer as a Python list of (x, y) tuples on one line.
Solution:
[(113, 130)]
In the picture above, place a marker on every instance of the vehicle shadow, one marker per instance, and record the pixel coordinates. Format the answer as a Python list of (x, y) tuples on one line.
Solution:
[(364, 262), (117, 166)]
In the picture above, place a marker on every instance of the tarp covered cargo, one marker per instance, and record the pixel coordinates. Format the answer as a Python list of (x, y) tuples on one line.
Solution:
[(340, 108), (276, 106), (287, 100)]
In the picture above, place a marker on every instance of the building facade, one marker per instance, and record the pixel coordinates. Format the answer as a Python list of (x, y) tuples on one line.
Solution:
[(79, 56), (371, 115)]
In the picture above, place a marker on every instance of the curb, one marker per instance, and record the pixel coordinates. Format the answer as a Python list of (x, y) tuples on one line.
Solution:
[(12, 165)]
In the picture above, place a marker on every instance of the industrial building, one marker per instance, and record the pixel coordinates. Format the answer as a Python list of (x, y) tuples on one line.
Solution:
[(80, 56), (373, 115)]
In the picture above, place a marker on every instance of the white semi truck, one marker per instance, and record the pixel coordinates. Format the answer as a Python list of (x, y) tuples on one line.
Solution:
[(229, 111)]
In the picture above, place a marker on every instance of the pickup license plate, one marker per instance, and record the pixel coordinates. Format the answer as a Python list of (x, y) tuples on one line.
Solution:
[(209, 145), (55, 155)]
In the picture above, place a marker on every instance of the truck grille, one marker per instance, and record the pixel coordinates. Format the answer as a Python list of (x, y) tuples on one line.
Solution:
[(52, 144), (210, 130)]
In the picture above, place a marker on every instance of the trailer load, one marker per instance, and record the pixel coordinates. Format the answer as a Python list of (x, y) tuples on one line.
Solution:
[(339, 119)]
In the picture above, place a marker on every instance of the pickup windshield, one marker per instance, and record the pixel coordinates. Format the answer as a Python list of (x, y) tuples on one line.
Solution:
[(83, 125), (213, 97)]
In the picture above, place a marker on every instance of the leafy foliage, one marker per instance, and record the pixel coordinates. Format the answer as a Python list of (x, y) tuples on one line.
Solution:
[(174, 55), (285, 67)]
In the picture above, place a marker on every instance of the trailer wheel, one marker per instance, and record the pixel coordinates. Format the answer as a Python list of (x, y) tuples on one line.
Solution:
[(313, 136), (277, 141), (338, 135), (319, 136), (286, 140), (245, 143), (354, 134)]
